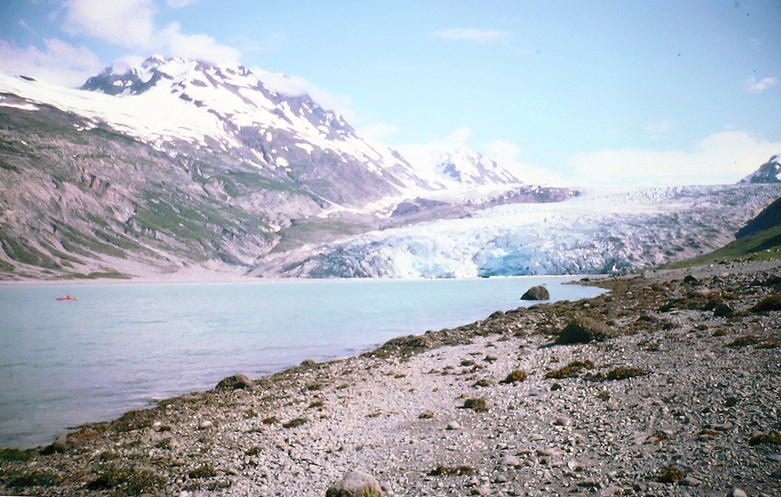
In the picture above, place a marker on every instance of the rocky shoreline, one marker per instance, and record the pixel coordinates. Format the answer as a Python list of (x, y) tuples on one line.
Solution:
[(668, 385)]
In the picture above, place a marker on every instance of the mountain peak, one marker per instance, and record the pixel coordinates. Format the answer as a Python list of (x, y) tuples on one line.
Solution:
[(769, 172), (467, 167)]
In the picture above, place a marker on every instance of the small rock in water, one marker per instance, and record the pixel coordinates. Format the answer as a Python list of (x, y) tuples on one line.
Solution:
[(355, 484), (538, 292)]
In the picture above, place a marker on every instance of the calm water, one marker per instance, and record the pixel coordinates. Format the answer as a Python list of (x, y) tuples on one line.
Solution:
[(121, 346)]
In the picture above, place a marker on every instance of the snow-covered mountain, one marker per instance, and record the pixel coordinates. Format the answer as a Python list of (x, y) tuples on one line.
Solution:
[(769, 172), (187, 107), (458, 167), (596, 232), (177, 163)]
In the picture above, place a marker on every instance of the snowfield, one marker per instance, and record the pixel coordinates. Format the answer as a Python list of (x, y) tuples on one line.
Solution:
[(597, 232)]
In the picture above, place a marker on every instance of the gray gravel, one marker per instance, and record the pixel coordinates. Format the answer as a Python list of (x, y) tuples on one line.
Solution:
[(676, 404)]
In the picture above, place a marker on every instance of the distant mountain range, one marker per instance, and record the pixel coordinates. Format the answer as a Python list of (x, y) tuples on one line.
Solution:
[(178, 165)]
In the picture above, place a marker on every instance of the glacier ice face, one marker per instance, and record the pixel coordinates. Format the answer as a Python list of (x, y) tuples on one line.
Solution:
[(597, 232)]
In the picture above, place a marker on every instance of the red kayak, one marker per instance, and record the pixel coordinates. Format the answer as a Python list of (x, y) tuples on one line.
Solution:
[(67, 297)]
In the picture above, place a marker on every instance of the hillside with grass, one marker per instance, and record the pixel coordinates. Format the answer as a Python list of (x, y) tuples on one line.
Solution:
[(759, 239)]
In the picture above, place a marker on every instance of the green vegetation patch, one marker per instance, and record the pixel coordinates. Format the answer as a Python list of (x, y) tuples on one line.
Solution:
[(315, 230), (571, 369), (126, 481), (21, 251), (15, 455), (96, 275), (20, 480)]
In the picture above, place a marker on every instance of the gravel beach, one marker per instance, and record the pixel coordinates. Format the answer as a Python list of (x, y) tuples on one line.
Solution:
[(668, 385)]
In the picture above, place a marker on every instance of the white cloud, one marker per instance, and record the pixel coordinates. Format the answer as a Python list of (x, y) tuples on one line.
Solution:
[(131, 24), (295, 85), (472, 35), (460, 135), (197, 46), (657, 130), (61, 63), (721, 158), (508, 155), (126, 23), (422, 156), (178, 4), (26, 26), (754, 86), (377, 132)]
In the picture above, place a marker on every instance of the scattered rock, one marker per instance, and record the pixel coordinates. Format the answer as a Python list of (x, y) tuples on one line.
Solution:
[(516, 376), (478, 404), (772, 438), (355, 484), (669, 474), (737, 492), (461, 470), (624, 373), (453, 425), (723, 310), (236, 382), (538, 292), (583, 330), (295, 422), (768, 304)]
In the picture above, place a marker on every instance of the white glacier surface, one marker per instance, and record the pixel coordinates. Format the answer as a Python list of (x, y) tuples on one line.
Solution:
[(597, 232)]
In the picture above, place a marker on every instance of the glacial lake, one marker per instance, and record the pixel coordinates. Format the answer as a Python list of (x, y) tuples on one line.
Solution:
[(122, 346)]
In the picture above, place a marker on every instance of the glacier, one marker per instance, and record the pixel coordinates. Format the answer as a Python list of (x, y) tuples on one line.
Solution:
[(599, 231)]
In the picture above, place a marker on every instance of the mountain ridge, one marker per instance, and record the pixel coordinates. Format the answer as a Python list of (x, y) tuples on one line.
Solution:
[(176, 164)]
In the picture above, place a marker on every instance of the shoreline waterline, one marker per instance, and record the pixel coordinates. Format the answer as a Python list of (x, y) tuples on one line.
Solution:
[(119, 384)]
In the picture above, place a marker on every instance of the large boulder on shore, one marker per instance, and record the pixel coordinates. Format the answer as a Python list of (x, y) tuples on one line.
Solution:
[(584, 330), (236, 382), (355, 484), (538, 292)]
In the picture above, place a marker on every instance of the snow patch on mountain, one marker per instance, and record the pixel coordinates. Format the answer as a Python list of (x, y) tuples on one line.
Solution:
[(168, 103)]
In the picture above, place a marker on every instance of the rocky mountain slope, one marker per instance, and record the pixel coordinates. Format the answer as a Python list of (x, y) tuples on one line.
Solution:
[(177, 165), (769, 172), (770, 217)]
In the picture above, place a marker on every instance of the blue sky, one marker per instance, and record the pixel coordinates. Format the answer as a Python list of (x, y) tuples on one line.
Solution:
[(600, 92)]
